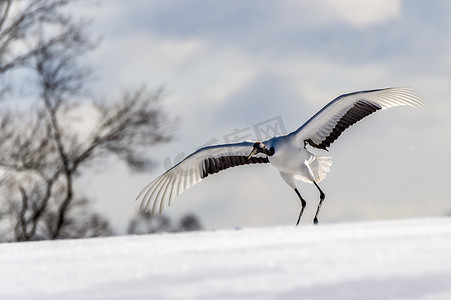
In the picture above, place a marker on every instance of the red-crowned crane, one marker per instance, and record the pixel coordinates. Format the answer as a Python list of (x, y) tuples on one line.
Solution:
[(288, 153)]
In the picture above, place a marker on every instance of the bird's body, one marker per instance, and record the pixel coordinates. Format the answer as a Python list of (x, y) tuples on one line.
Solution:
[(296, 161), (288, 153)]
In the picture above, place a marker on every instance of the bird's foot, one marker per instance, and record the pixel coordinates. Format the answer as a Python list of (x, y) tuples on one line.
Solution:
[(297, 223)]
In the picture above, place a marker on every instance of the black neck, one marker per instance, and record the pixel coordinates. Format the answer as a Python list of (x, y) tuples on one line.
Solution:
[(269, 152)]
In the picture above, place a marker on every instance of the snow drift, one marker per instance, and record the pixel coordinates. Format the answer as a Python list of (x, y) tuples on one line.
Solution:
[(407, 259)]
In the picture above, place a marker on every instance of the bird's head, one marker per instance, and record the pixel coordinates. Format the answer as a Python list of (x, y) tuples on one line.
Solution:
[(259, 147)]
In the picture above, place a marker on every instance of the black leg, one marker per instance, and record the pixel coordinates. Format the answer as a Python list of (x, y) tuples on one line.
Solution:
[(303, 203), (321, 199)]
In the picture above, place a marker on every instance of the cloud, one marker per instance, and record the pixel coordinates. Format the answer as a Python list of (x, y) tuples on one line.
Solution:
[(362, 13)]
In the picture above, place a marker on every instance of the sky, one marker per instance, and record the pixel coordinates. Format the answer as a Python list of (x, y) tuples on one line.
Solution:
[(232, 67)]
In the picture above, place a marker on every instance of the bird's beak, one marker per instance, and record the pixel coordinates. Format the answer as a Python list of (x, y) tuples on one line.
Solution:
[(254, 151)]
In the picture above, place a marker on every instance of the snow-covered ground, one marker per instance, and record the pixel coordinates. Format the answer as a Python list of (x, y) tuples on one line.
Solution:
[(406, 259)]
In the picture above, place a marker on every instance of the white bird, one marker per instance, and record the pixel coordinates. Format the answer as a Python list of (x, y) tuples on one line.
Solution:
[(288, 153)]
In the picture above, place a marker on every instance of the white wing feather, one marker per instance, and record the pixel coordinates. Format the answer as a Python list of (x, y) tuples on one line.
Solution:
[(185, 174), (320, 126)]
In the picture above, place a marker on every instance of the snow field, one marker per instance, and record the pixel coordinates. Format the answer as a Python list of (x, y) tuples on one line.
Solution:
[(402, 259)]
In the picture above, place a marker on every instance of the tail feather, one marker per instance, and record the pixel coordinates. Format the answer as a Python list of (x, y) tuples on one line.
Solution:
[(318, 166), (321, 166)]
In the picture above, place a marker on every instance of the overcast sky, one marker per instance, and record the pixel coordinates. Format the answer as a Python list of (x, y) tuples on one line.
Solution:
[(230, 65)]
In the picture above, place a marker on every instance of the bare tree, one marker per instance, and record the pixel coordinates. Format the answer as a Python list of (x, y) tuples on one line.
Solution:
[(40, 152), (190, 222), (145, 222)]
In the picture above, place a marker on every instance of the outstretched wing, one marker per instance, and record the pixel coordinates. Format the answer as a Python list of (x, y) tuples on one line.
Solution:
[(328, 124), (205, 161)]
